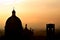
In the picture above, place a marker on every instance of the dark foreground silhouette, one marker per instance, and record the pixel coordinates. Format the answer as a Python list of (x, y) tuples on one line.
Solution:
[(14, 31)]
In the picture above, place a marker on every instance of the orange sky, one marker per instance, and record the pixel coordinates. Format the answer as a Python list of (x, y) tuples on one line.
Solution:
[(36, 13)]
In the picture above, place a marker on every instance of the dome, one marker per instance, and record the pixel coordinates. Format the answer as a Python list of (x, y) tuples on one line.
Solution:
[(13, 25), (13, 22)]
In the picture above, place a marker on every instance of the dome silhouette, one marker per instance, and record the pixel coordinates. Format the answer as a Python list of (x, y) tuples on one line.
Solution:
[(13, 26)]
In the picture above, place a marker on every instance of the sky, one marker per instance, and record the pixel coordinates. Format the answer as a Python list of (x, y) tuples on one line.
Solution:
[(35, 13)]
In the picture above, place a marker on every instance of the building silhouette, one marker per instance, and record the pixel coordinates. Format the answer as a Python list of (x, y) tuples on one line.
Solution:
[(50, 31), (13, 27), (28, 34)]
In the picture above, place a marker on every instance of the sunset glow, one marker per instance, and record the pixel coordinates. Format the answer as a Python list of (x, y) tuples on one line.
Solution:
[(35, 13)]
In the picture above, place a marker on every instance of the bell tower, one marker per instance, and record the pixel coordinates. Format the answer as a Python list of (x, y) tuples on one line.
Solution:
[(50, 31)]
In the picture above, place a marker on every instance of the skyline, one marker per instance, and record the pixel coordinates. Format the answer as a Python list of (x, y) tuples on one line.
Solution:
[(40, 12)]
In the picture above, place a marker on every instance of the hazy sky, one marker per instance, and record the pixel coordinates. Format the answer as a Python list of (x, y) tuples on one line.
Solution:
[(35, 13)]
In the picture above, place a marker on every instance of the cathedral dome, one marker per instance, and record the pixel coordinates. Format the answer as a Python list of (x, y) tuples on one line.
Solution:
[(13, 24)]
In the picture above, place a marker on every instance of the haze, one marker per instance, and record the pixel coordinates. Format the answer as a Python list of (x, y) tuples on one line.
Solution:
[(35, 13)]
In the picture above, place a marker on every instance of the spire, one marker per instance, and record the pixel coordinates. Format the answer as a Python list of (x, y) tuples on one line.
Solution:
[(13, 12), (26, 26)]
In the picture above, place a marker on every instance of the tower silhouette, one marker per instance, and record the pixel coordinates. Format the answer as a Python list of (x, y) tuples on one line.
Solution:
[(28, 34), (50, 28), (13, 27)]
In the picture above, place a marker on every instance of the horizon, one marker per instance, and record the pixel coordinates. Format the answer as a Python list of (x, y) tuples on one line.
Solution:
[(35, 13)]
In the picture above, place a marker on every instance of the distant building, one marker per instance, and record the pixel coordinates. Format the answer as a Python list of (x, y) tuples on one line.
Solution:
[(50, 31), (13, 27), (28, 34)]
